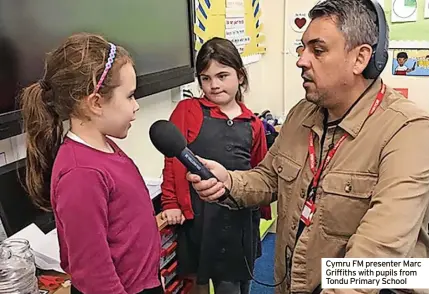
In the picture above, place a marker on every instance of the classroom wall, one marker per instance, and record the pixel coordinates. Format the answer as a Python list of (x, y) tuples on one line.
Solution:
[(266, 92), (418, 87), (275, 84)]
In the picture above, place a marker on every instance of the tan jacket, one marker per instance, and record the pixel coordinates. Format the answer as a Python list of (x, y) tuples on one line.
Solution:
[(372, 199)]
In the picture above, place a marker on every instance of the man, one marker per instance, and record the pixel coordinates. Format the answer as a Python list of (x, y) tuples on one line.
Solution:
[(371, 198)]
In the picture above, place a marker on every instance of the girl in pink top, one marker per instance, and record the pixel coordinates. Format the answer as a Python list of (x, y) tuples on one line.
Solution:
[(109, 240)]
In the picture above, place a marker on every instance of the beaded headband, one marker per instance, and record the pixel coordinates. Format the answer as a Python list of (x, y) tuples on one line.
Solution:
[(109, 63)]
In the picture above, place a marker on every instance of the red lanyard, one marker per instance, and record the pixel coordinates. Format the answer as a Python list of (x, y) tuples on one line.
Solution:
[(331, 153)]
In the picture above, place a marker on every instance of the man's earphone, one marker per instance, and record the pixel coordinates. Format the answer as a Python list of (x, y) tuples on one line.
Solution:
[(380, 54)]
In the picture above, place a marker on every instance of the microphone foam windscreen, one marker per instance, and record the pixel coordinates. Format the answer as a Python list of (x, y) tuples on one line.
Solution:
[(167, 138)]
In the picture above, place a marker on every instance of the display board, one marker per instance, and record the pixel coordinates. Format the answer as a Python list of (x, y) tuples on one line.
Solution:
[(236, 20), (408, 22)]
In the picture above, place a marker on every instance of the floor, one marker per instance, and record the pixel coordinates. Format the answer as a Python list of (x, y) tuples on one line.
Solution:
[(264, 267)]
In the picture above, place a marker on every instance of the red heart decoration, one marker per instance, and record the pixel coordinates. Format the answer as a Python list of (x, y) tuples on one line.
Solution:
[(300, 22)]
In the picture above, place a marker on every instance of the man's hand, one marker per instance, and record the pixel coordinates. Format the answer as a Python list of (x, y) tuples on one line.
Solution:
[(210, 190), (173, 216)]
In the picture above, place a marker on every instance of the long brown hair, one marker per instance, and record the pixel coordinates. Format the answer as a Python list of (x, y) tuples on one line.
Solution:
[(223, 51), (71, 73)]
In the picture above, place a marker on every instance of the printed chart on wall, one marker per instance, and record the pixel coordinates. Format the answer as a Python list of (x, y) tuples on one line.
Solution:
[(236, 20), (409, 23), (410, 62), (299, 21)]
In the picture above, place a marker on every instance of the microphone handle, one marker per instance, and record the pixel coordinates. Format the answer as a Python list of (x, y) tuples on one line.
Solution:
[(191, 162)]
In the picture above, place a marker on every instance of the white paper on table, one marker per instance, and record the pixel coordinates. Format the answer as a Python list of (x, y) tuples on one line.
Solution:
[(46, 248), (47, 253), (32, 234), (153, 185), (47, 265), (51, 246), (402, 12)]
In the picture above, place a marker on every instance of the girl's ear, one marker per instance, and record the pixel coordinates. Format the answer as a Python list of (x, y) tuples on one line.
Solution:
[(94, 104), (240, 76)]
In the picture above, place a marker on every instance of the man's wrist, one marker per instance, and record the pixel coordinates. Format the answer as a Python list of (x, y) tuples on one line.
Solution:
[(228, 183)]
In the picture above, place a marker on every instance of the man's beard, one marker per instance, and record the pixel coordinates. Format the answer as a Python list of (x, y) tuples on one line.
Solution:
[(314, 97)]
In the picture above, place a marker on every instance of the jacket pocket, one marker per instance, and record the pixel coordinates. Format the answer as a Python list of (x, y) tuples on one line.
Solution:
[(287, 173), (285, 168), (344, 202)]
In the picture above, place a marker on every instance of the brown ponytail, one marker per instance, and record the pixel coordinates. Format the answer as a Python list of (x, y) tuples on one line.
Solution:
[(71, 73), (44, 129)]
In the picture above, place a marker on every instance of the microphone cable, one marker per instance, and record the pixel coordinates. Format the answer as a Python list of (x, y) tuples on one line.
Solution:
[(248, 267), (244, 252)]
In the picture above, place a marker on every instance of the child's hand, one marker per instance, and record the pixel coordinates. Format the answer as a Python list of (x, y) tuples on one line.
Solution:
[(173, 216)]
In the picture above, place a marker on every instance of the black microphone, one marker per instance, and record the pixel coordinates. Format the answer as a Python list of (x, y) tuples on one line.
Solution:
[(168, 140)]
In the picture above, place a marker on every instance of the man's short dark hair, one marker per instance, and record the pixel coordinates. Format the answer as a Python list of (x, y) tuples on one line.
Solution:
[(357, 20)]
